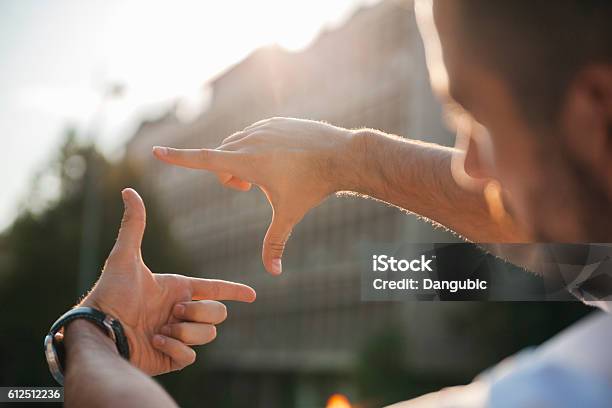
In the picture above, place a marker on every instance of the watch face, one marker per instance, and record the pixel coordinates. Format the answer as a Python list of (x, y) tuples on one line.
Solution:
[(53, 360)]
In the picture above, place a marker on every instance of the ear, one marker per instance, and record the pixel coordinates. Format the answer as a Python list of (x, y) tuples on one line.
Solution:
[(586, 118)]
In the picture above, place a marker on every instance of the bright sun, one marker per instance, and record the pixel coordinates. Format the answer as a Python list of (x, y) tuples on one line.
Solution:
[(169, 48)]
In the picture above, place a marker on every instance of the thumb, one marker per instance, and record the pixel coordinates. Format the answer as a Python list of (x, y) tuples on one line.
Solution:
[(275, 240), (132, 225)]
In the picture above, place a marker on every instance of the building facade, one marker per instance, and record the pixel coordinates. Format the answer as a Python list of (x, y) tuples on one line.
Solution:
[(369, 72)]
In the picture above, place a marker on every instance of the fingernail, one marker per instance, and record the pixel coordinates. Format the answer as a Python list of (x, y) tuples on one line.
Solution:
[(166, 330), (162, 151), (179, 310), (158, 340), (277, 266)]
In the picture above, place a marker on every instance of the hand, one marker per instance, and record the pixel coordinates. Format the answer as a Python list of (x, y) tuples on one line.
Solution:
[(296, 163), (161, 314)]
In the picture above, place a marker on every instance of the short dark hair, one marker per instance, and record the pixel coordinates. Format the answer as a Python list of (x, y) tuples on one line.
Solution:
[(538, 45)]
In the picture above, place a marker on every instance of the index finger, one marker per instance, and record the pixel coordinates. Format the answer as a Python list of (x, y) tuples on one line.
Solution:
[(214, 289), (203, 159)]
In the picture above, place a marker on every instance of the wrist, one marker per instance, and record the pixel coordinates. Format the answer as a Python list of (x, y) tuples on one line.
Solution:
[(94, 302), (82, 332), (357, 158), (86, 347), (81, 338)]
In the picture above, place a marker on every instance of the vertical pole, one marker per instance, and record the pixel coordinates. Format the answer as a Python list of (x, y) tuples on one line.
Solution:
[(92, 207)]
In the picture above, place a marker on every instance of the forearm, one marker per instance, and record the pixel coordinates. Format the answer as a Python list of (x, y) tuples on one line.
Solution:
[(417, 177), (97, 376)]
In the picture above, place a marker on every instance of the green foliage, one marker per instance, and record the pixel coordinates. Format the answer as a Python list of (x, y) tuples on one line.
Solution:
[(382, 373), (39, 254)]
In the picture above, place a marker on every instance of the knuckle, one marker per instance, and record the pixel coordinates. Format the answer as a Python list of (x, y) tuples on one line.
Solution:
[(215, 290), (177, 331), (189, 313), (252, 163), (203, 154), (277, 246), (225, 178), (257, 136), (233, 146), (232, 136), (131, 217), (276, 242), (193, 311)]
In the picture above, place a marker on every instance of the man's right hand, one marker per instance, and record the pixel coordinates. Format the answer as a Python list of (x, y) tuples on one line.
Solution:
[(296, 163)]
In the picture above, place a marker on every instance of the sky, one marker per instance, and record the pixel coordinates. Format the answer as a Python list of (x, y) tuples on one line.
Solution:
[(58, 56)]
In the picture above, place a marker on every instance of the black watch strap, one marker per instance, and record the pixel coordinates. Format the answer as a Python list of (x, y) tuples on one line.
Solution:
[(54, 350)]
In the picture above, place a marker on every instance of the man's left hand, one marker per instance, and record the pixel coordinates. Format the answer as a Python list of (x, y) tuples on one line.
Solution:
[(162, 314)]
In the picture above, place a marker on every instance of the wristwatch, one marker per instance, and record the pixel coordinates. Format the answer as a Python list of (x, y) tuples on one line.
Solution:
[(54, 348)]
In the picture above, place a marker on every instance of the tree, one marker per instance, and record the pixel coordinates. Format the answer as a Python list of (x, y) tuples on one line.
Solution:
[(39, 253)]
